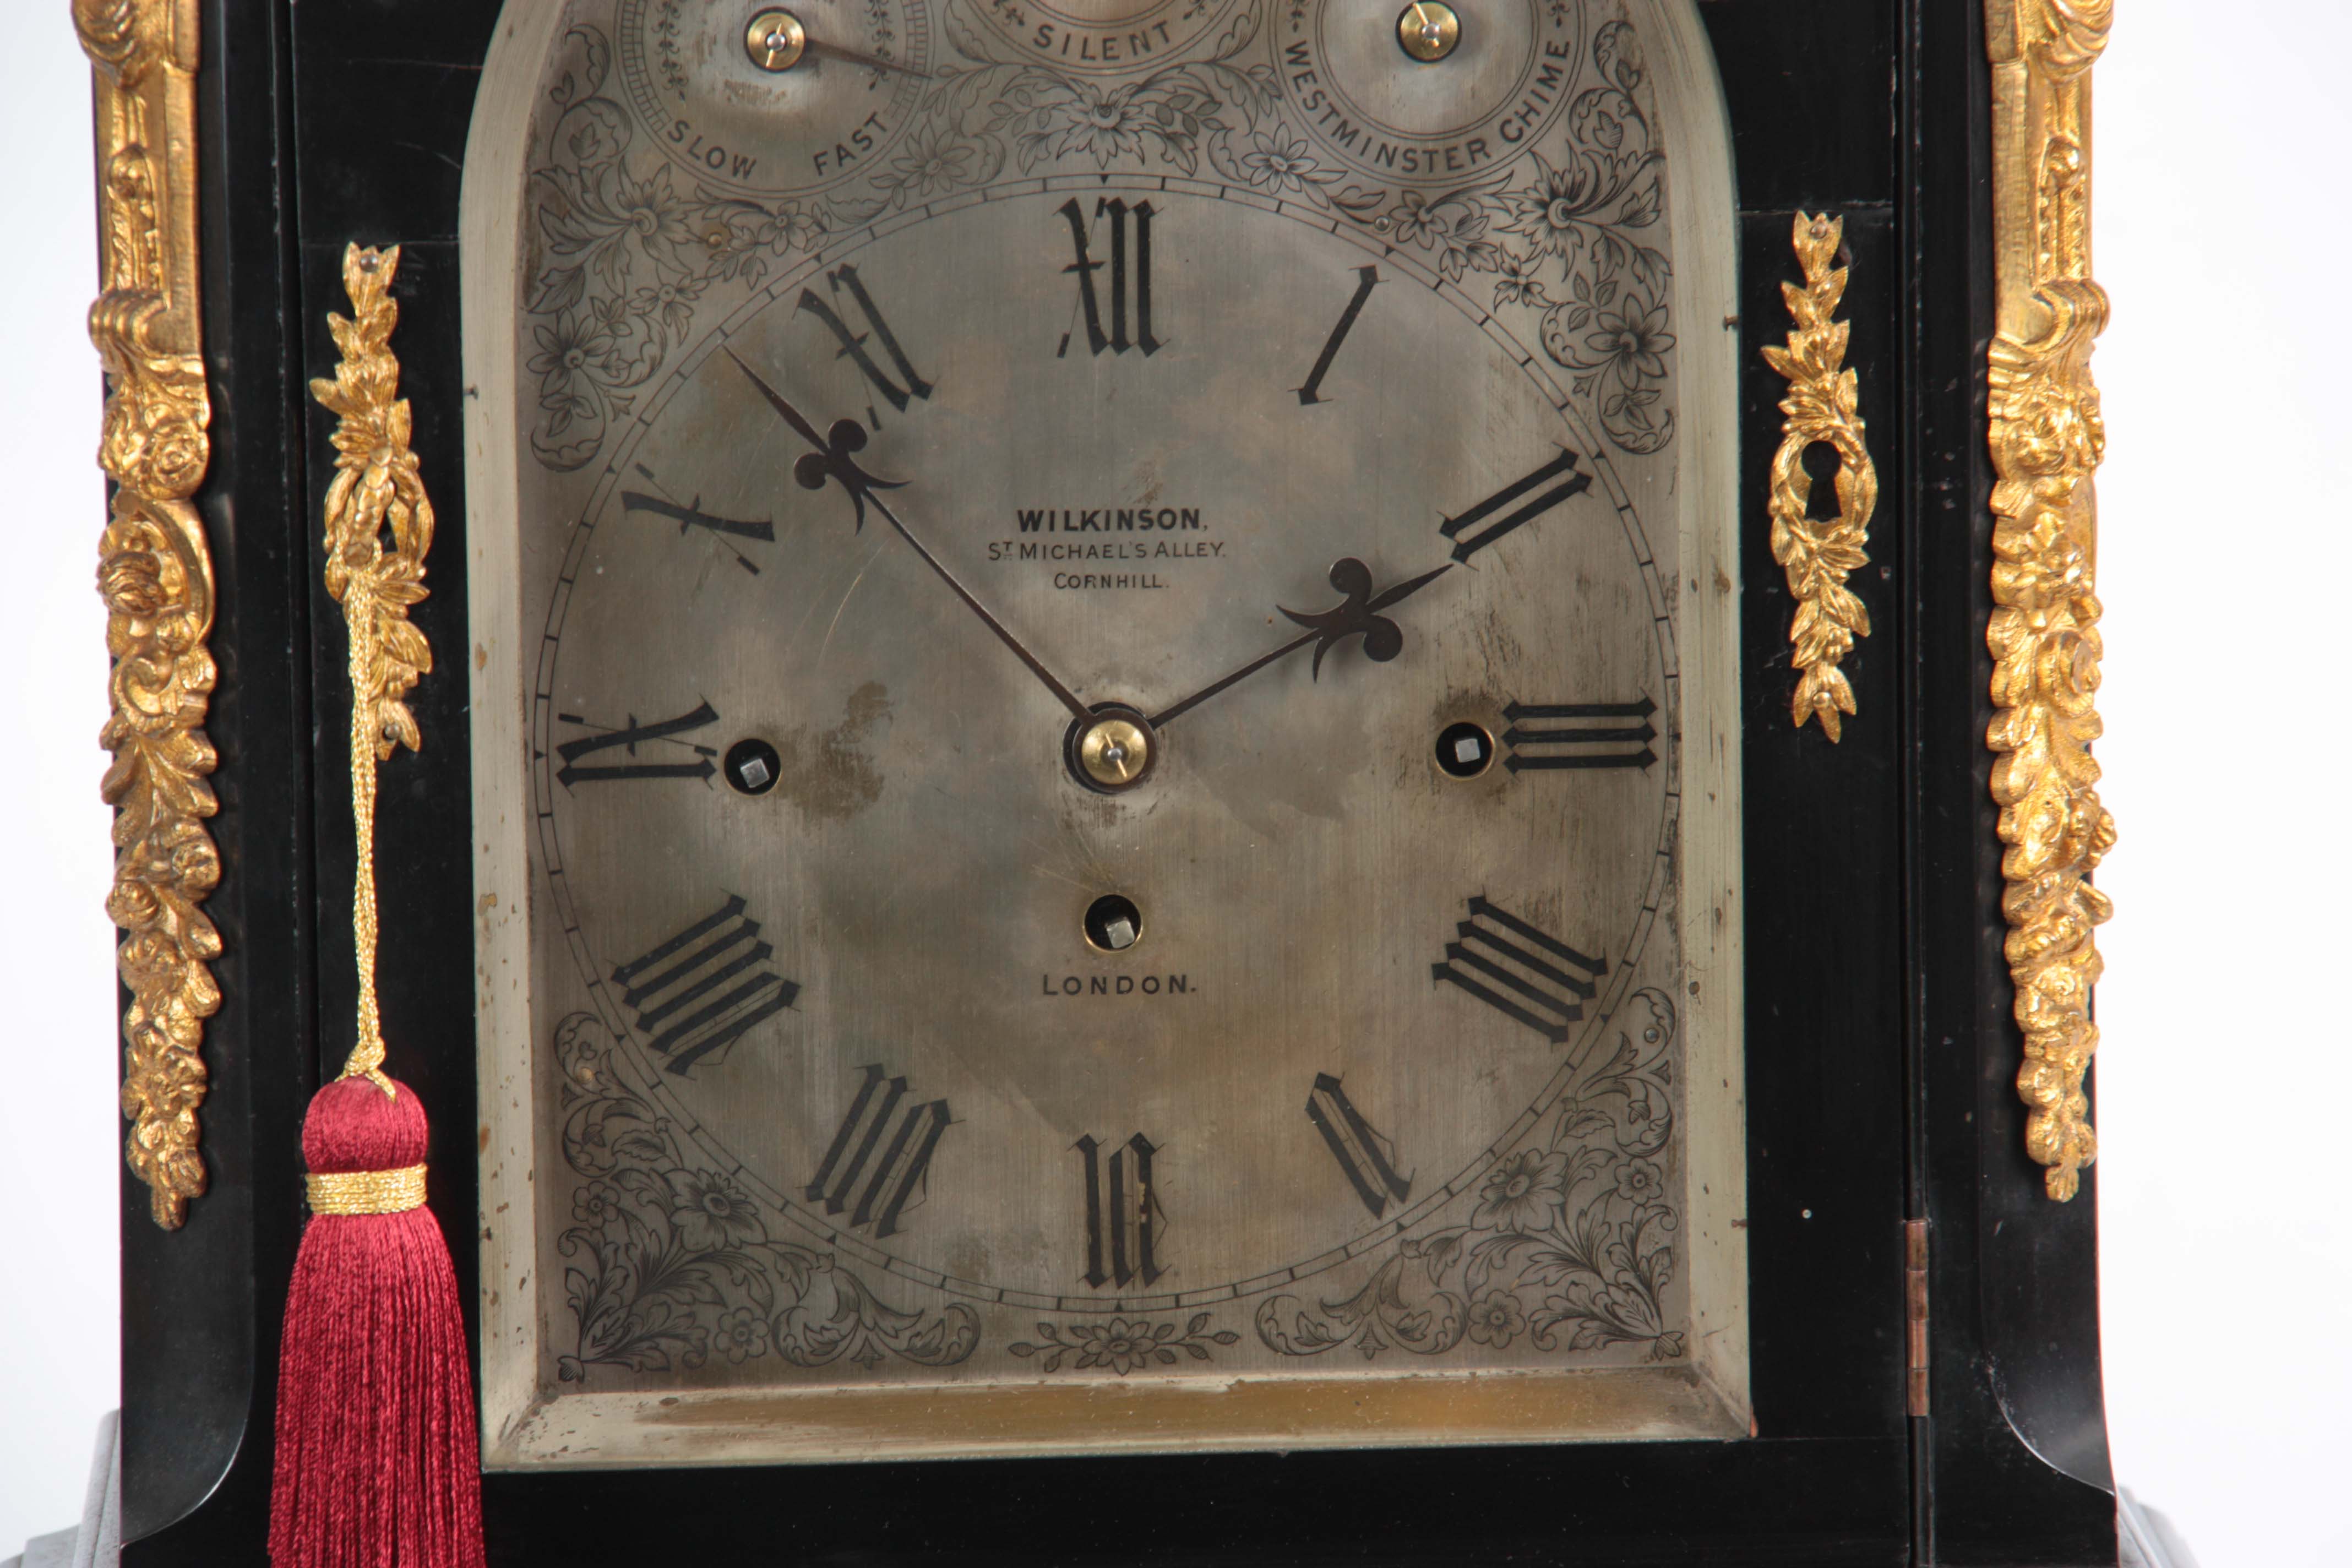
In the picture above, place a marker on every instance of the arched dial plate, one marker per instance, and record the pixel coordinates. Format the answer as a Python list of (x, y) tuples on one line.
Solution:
[(1106, 726)]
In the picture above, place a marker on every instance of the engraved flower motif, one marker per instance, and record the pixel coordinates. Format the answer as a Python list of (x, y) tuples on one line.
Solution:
[(1513, 285), (931, 163), (1280, 163), (743, 1334), (1630, 339), (1551, 209), (573, 350), (1497, 1319), (1640, 1182), (595, 1204), (711, 1213), (1455, 229), (1118, 1344), (671, 301), (1102, 125), (1523, 1193)]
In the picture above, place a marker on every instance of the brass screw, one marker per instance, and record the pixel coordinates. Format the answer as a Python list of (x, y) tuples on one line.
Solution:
[(776, 40), (1115, 753), (1429, 31)]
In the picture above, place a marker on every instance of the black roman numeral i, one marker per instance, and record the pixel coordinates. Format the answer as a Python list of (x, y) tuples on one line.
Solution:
[(1123, 1214), (1543, 489), (698, 992), (897, 1173), (1366, 279), (1369, 1159), (1520, 970), (1085, 266), (853, 344), (1547, 735)]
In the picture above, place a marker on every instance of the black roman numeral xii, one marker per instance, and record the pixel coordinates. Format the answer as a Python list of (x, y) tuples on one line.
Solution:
[(1121, 277)]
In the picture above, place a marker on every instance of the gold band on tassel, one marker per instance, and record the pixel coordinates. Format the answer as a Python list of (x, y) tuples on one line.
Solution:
[(367, 1191)]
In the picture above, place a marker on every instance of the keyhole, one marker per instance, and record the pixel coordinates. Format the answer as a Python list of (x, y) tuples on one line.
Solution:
[(1819, 461)]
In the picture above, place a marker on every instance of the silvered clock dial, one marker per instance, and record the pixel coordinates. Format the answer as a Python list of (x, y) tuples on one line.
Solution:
[(1110, 813)]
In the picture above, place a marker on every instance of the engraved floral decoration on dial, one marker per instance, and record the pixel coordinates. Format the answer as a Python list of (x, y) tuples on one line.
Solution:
[(903, 1031)]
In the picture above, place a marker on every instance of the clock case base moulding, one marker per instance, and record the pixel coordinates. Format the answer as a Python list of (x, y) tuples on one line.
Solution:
[(1881, 1046)]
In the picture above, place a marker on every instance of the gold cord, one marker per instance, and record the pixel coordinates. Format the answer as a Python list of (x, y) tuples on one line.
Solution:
[(367, 1191), (376, 489)]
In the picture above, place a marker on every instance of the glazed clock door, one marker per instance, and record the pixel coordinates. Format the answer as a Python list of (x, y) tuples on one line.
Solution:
[(1106, 768)]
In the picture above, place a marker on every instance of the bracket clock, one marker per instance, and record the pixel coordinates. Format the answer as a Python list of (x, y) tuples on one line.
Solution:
[(1179, 782)]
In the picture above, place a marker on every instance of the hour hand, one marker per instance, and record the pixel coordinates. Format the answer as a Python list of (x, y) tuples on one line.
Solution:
[(1357, 616), (831, 456)]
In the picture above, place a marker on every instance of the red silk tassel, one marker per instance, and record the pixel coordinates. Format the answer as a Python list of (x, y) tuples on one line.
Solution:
[(378, 1464)]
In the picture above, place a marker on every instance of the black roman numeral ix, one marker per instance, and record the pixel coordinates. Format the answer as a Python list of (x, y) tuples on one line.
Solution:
[(1548, 735), (1520, 970), (902, 1167), (628, 737), (1123, 1216), (1469, 537), (1366, 278), (698, 992), (1085, 267), (1369, 1159), (853, 344)]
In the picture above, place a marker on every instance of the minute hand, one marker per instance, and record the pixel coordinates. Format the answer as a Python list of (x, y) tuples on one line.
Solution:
[(1356, 616), (833, 457)]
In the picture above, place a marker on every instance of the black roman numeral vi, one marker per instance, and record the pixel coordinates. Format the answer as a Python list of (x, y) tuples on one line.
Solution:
[(853, 344), (1123, 1216), (698, 992), (897, 1173), (1469, 537), (1520, 970), (1369, 1159), (628, 737), (1544, 735), (1085, 267)]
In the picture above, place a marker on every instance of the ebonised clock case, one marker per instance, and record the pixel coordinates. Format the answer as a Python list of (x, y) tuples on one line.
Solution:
[(1880, 1039)]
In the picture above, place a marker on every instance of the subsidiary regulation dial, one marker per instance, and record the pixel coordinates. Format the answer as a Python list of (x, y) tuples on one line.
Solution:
[(767, 100)]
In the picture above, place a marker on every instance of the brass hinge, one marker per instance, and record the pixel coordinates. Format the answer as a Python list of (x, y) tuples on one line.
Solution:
[(1915, 1308)]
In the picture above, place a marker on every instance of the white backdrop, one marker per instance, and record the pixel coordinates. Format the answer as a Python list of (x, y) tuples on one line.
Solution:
[(2225, 1089)]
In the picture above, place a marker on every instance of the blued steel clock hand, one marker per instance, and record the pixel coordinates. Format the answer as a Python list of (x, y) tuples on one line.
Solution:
[(1356, 616), (833, 457)]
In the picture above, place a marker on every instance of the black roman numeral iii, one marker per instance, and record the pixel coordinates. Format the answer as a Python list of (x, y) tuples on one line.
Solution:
[(1369, 1159), (1520, 971), (853, 344), (894, 1175), (627, 738), (1123, 1214), (1085, 267), (1548, 735), (1548, 488), (698, 992), (1366, 278)]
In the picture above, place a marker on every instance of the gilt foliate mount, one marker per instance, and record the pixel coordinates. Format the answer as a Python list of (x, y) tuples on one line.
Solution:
[(155, 573)]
